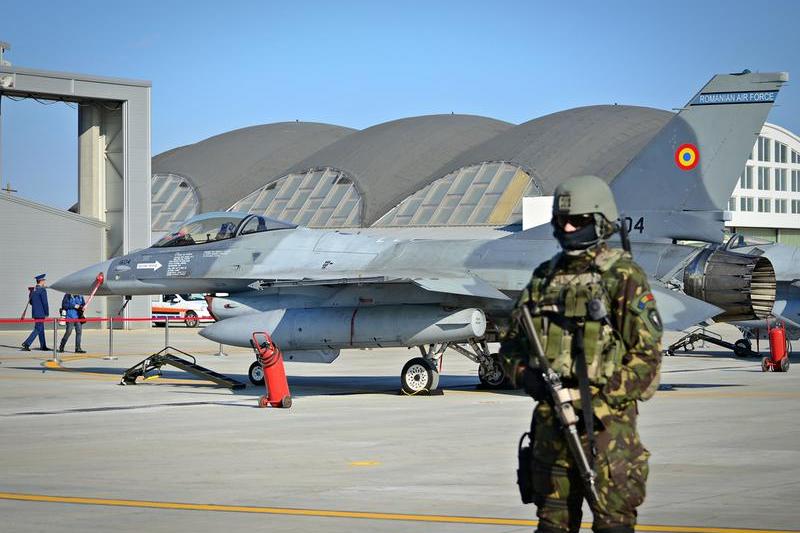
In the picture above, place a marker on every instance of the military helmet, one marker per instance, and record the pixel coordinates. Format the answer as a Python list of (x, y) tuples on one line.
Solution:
[(586, 202), (584, 195)]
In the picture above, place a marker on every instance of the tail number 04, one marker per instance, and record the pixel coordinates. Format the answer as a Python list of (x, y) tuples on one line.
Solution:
[(630, 225)]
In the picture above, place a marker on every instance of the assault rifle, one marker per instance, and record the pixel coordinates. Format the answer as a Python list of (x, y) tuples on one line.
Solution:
[(563, 408)]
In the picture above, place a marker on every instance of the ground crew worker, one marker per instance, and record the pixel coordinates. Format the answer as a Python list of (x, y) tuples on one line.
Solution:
[(599, 295), (73, 305), (39, 309)]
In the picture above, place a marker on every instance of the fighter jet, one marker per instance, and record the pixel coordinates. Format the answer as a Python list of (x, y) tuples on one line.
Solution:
[(317, 291)]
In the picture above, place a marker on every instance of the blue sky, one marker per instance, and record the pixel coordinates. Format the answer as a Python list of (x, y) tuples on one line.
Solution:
[(217, 66)]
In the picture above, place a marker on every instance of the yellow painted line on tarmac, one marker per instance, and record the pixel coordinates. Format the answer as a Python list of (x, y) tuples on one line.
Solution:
[(727, 394), (328, 513), (365, 463)]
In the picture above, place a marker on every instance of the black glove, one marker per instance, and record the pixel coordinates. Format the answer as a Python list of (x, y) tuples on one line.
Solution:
[(534, 385)]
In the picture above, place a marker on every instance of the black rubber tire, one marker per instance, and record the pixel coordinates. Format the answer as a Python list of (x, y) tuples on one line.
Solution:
[(190, 319), (286, 402), (256, 373), (419, 376), (493, 380), (765, 364), (785, 364), (742, 347)]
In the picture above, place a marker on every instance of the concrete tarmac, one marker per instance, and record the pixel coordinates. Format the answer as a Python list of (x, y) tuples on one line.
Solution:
[(80, 453)]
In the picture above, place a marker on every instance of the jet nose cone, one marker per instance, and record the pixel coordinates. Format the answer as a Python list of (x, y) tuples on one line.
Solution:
[(82, 281)]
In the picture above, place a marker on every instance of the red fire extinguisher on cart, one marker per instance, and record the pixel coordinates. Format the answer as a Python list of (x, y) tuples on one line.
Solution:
[(779, 348), (271, 359)]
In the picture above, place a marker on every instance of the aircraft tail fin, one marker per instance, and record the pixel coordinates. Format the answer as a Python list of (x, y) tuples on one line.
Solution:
[(678, 186)]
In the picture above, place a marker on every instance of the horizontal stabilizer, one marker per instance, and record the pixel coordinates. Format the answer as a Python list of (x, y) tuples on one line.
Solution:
[(679, 311)]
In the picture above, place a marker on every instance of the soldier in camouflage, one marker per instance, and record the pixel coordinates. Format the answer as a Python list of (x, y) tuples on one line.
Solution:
[(621, 354)]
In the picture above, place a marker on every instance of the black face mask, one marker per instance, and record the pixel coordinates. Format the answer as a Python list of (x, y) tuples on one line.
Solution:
[(579, 239)]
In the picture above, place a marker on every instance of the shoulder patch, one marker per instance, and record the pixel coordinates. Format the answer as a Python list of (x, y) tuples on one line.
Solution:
[(644, 300)]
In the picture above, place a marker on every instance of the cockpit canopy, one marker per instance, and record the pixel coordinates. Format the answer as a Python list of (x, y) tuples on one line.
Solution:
[(218, 226)]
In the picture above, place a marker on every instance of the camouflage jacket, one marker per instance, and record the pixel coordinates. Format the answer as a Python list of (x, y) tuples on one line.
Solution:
[(633, 315)]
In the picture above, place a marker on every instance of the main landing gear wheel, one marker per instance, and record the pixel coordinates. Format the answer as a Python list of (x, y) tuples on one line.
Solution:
[(190, 319), (492, 375), (256, 373), (419, 375), (742, 347)]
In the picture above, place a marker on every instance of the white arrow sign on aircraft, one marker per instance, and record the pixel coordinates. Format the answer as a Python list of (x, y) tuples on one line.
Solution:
[(145, 266)]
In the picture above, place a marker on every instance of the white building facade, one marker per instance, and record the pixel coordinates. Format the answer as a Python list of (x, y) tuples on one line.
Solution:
[(766, 201)]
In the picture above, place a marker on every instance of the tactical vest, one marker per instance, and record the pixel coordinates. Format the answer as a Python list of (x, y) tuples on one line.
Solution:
[(561, 309)]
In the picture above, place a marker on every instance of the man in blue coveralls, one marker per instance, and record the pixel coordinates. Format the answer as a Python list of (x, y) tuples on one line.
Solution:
[(39, 309), (73, 305)]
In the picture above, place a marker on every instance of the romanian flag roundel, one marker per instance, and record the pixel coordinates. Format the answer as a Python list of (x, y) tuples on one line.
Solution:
[(687, 156)]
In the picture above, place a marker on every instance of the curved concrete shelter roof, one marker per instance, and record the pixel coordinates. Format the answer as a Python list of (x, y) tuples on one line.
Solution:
[(226, 167), (597, 140), (392, 160)]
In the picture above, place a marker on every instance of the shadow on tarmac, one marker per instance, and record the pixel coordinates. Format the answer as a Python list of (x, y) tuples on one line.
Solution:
[(301, 386)]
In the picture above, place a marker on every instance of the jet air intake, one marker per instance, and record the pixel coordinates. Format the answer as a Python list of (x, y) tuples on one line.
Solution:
[(352, 327), (740, 284)]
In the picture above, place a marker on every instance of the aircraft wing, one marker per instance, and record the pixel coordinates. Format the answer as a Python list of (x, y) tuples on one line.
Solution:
[(444, 283)]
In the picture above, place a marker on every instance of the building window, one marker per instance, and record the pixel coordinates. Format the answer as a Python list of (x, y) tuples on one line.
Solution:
[(763, 178), (796, 207), (746, 181), (763, 148), (795, 157), (780, 152), (780, 179), (795, 180), (763, 205), (780, 206), (732, 204), (745, 203)]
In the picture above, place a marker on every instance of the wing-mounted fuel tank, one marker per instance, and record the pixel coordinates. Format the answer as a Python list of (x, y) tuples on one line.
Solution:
[(743, 285), (353, 327)]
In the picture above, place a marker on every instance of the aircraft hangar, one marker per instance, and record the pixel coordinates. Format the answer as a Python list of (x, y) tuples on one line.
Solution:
[(437, 170)]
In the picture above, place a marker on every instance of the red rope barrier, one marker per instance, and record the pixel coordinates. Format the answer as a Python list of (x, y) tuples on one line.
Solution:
[(99, 319)]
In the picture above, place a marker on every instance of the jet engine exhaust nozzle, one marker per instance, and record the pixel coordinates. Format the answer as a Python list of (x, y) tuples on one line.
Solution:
[(742, 285)]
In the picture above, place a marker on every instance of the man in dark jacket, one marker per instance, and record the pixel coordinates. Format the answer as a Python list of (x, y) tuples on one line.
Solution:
[(39, 310), (73, 305)]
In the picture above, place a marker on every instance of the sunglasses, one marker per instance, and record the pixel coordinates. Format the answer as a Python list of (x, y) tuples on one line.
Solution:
[(576, 221)]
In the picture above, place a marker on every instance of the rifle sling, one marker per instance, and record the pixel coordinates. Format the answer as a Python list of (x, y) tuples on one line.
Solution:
[(586, 394)]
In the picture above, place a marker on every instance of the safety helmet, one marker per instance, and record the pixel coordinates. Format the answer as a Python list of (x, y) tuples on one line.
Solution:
[(588, 203)]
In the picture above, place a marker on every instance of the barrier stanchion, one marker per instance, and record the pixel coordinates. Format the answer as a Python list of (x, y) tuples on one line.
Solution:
[(166, 331), (55, 341), (111, 319), (110, 356)]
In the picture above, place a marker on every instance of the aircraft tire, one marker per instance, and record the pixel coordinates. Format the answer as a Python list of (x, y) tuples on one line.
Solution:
[(256, 373), (190, 319), (495, 377), (419, 376), (742, 347)]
